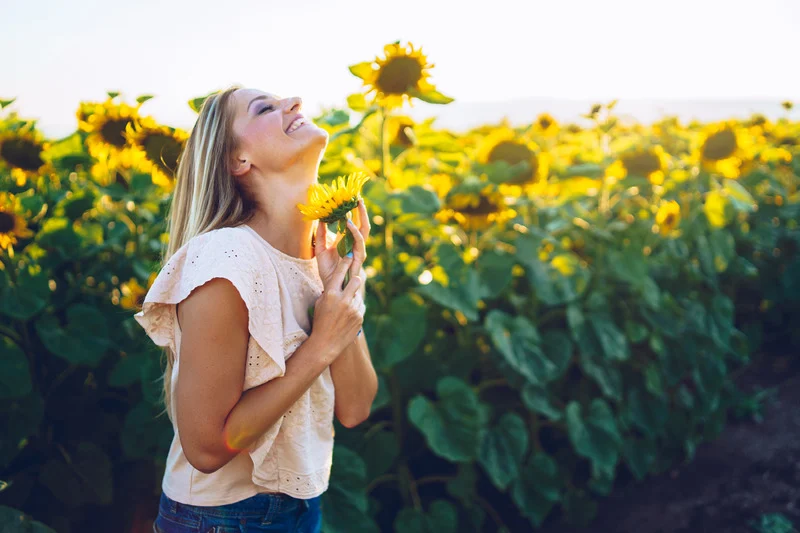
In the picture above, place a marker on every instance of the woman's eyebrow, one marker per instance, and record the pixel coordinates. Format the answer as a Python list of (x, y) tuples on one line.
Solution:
[(259, 97)]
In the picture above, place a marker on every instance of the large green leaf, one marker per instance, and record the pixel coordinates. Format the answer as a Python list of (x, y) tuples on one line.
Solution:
[(595, 437), (15, 378), (144, 433), (395, 336), (538, 488), (648, 412), (517, 339), (612, 340), (441, 517), (503, 449), (379, 452), (417, 199), (550, 285), (25, 299), (458, 296), (537, 399), (19, 418), (453, 426), (83, 477), (14, 521), (83, 341), (495, 268), (344, 504), (639, 455)]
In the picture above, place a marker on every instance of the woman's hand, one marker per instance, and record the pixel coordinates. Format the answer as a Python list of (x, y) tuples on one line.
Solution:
[(337, 313), (328, 257)]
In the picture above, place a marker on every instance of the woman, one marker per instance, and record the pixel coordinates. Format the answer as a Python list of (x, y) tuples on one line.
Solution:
[(252, 452)]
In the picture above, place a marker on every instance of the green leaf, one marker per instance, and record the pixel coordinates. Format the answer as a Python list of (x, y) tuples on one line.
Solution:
[(538, 488), (76, 205), (503, 449), (596, 437), (58, 233), (495, 270), (144, 433), (15, 378), (345, 505), (550, 285), (441, 517), (24, 300), (197, 103), (635, 331), (127, 371), (518, 341), (417, 199), (431, 97), (739, 196), (145, 97), (357, 102), (5, 102), (83, 341), (379, 453), (460, 295), (362, 70), (334, 117), (112, 94), (14, 521), (648, 412), (395, 336), (453, 427), (83, 478), (537, 399), (612, 340), (19, 418), (639, 455), (589, 170)]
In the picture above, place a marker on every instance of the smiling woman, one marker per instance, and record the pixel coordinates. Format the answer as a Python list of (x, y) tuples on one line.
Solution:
[(250, 386)]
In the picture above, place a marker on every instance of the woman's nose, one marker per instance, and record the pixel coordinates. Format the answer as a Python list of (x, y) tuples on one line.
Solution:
[(295, 103)]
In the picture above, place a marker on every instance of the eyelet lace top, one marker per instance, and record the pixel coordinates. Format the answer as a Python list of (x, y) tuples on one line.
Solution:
[(295, 455)]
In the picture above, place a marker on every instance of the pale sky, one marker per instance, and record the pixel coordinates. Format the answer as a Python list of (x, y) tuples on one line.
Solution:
[(58, 53)]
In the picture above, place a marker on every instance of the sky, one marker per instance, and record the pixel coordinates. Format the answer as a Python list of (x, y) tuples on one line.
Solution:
[(59, 53)]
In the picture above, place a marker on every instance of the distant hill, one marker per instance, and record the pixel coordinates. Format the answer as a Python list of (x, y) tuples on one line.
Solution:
[(459, 116)]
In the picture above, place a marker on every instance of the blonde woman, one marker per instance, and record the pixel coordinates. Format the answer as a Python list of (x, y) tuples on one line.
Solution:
[(251, 389)]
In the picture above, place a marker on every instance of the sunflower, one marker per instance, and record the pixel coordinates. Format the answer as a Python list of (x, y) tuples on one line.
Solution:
[(725, 149), (503, 144), (402, 74), (648, 162), (12, 226), (546, 125), (106, 124), (161, 145), (475, 205), (401, 131), (331, 203), (668, 217), (133, 294), (718, 209), (23, 152)]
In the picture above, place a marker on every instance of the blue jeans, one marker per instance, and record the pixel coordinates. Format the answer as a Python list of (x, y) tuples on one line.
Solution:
[(260, 513)]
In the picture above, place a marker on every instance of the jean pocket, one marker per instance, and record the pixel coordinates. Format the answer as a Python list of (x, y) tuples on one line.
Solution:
[(165, 524)]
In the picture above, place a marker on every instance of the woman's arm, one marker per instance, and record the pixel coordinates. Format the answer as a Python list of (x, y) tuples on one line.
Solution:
[(354, 379), (215, 419)]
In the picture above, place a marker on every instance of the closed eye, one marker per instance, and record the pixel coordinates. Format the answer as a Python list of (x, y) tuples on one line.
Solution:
[(269, 107)]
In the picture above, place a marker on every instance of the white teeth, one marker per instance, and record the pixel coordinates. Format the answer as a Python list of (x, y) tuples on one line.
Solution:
[(295, 124)]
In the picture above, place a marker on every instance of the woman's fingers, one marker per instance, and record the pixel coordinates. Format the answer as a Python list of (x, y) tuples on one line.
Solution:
[(349, 292), (363, 220), (338, 275), (359, 249), (321, 239)]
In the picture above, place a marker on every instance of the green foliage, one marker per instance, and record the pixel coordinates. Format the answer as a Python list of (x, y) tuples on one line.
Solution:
[(523, 364)]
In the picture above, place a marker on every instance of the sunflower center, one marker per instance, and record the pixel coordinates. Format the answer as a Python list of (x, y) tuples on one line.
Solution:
[(669, 219), (513, 153), (113, 132), (163, 150), (545, 123), (720, 145), (399, 75), (485, 207), (6, 222), (22, 153), (641, 163)]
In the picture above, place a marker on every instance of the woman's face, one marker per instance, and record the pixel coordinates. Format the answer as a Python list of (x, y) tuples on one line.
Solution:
[(269, 137)]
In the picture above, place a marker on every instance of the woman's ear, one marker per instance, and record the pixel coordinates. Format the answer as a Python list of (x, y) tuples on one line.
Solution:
[(240, 167)]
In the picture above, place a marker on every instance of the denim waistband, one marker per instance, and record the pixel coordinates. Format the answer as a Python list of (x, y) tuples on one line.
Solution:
[(261, 504)]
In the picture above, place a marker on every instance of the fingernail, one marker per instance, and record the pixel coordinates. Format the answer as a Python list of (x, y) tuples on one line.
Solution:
[(349, 254)]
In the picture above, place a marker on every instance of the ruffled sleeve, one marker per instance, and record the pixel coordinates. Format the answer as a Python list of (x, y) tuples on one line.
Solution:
[(222, 253)]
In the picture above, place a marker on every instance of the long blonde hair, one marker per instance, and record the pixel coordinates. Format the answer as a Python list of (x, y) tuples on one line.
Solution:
[(206, 195)]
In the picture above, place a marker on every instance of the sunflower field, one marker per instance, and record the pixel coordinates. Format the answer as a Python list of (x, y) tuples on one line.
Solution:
[(554, 310)]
